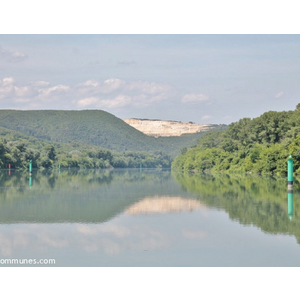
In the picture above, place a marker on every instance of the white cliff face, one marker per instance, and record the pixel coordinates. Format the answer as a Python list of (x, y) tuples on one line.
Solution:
[(165, 128)]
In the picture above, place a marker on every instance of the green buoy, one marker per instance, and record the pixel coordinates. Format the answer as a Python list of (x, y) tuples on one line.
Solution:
[(290, 173)]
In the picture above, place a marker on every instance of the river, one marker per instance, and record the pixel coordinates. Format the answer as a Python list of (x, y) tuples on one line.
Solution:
[(146, 218)]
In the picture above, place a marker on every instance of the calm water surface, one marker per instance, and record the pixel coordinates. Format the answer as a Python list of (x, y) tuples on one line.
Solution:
[(147, 218)]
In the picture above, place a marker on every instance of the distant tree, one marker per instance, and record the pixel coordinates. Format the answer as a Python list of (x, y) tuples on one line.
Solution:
[(51, 152)]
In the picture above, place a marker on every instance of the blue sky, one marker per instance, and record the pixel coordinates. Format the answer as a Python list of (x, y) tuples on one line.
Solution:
[(203, 78)]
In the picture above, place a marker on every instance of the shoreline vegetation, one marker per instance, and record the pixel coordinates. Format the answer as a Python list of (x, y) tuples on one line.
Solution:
[(18, 155), (82, 139), (252, 146), (249, 146)]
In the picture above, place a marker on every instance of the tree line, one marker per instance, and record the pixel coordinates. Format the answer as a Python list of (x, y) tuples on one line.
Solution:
[(17, 155), (260, 145)]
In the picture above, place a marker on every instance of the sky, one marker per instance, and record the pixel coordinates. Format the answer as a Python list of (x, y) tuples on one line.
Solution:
[(201, 78)]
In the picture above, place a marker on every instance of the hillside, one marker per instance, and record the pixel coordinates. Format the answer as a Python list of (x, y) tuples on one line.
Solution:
[(260, 145), (91, 127), (161, 128)]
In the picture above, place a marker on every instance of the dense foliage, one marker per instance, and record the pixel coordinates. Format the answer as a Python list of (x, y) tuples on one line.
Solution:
[(92, 127), (17, 150), (259, 145)]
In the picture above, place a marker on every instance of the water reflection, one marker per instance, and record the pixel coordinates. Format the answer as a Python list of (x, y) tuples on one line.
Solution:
[(251, 200), (134, 217), (161, 205), (291, 205), (80, 196), (109, 239)]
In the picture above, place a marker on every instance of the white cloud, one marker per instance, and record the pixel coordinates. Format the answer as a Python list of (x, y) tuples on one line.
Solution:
[(8, 81), (87, 101), (112, 84), (24, 91), (194, 98), (110, 93), (41, 83), (17, 56), (54, 91), (114, 92), (148, 87), (12, 56), (33, 95), (118, 101), (92, 83), (204, 118), (7, 88), (22, 100), (278, 95)]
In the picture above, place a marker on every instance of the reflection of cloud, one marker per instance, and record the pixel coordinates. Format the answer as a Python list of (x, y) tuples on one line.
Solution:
[(20, 240), (117, 230), (109, 238), (5, 245), (110, 247), (197, 234), (150, 243), (163, 205), (52, 241), (87, 229)]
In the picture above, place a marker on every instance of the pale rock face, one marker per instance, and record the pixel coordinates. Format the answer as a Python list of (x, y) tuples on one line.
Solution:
[(158, 128)]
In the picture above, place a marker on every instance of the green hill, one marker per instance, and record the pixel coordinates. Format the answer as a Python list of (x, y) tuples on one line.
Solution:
[(94, 127)]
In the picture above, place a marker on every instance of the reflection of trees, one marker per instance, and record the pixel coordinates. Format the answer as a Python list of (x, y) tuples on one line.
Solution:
[(91, 196), (249, 200)]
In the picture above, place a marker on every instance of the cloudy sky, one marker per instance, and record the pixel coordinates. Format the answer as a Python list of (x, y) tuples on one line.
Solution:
[(201, 78)]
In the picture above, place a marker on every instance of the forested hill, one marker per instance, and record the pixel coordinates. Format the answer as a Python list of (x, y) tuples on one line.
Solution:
[(259, 145), (94, 127)]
